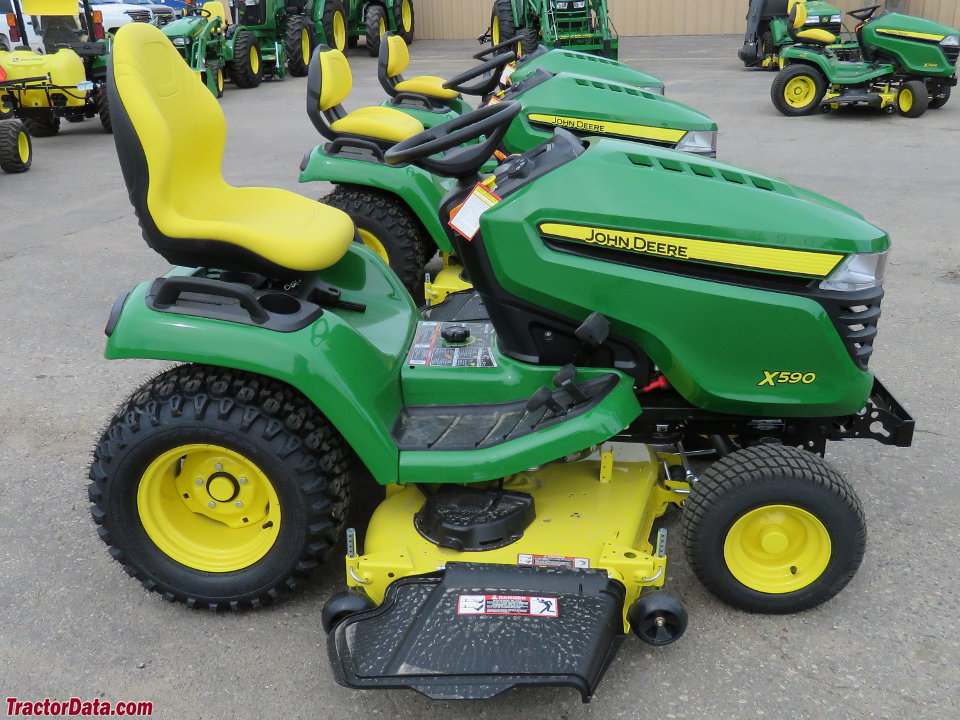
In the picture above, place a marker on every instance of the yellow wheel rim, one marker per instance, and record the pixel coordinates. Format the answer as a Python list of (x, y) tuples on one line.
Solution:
[(777, 549), (383, 26), (406, 15), (371, 241), (800, 91), (305, 46), (339, 31), (23, 146), (495, 31), (906, 99), (219, 80), (254, 60), (209, 508)]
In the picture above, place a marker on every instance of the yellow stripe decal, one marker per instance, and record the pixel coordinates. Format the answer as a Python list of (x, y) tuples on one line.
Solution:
[(604, 127), (911, 34), (800, 262)]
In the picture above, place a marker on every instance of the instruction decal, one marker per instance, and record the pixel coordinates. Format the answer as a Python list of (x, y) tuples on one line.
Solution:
[(466, 219), (553, 561), (429, 349), (530, 605)]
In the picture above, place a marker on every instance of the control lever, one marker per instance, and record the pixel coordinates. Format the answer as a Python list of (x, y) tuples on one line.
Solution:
[(594, 330), (564, 380), (544, 397)]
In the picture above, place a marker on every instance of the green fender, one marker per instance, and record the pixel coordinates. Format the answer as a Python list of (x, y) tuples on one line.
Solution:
[(346, 363), (419, 190), (842, 73)]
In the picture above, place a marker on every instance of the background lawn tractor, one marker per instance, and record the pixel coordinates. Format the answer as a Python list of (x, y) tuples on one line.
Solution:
[(908, 64), (67, 80), (769, 30), (510, 550), (577, 24)]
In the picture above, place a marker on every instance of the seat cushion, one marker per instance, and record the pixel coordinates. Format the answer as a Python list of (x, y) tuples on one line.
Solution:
[(817, 36), (379, 122), (427, 85)]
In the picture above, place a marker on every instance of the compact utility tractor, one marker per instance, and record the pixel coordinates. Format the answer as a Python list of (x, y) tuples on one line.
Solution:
[(67, 79), (513, 546), (371, 19), (16, 147), (206, 38), (576, 24), (376, 194), (769, 30), (908, 64)]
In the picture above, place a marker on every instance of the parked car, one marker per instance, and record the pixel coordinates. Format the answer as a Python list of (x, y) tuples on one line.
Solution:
[(117, 13), (33, 39)]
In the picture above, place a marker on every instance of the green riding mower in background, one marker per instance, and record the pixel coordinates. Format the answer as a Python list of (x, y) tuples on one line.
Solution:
[(732, 305), (769, 30), (67, 80), (16, 147), (908, 65), (396, 210), (576, 24)]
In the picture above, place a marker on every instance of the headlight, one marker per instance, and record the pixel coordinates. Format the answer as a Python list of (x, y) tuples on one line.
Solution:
[(179, 41), (661, 90), (860, 271), (702, 142), (580, 4), (812, 20), (950, 41), (836, 18)]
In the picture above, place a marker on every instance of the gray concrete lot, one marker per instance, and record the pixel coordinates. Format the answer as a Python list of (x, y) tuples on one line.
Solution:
[(72, 624)]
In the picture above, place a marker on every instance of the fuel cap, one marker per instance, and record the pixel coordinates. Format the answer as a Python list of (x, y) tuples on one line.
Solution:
[(455, 334)]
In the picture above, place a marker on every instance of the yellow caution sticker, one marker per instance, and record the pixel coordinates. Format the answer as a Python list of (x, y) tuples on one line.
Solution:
[(605, 127), (721, 252)]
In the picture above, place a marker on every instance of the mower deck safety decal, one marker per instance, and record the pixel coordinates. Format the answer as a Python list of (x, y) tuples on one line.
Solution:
[(508, 605), (800, 262), (605, 127)]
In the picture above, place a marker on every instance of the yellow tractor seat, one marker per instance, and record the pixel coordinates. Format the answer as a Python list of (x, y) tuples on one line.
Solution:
[(170, 135), (217, 10), (329, 81), (813, 36), (394, 59)]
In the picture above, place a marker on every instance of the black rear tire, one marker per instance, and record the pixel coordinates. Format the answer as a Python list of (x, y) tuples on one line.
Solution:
[(248, 420), (502, 25), (246, 68), (405, 27), (798, 89), (298, 37), (103, 109), (335, 25), (386, 226), (375, 22), (14, 138), (42, 126), (939, 99), (773, 529)]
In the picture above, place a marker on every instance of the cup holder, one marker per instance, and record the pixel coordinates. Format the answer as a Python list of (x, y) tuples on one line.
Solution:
[(280, 304)]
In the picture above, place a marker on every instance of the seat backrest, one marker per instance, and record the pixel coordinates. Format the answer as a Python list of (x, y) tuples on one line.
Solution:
[(169, 131), (329, 81), (392, 61), (798, 15), (217, 10)]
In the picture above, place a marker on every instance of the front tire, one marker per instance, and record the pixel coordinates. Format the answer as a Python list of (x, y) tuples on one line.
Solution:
[(913, 99), (16, 147), (939, 98), (773, 529), (798, 90), (375, 22), (502, 26), (386, 226), (246, 68), (42, 126), (103, 110), (334, 26), (219, 488)]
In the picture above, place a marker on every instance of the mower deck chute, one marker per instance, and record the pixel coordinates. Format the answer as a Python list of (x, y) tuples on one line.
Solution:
[(476, 630)]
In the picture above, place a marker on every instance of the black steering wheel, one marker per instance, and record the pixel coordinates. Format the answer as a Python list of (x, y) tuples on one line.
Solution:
[(865, 13), (508, 44), (497, 63), (490, 121)]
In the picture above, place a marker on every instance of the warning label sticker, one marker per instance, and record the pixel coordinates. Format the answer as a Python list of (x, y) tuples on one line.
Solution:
[(508, 605), (554, 561), (466, 220), (429, 349)]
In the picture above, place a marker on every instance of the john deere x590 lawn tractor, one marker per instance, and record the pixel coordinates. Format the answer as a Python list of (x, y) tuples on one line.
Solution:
[(908, 65), (67, 79), (769, 30), (396, 209), (513, 547), (576, 24)]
